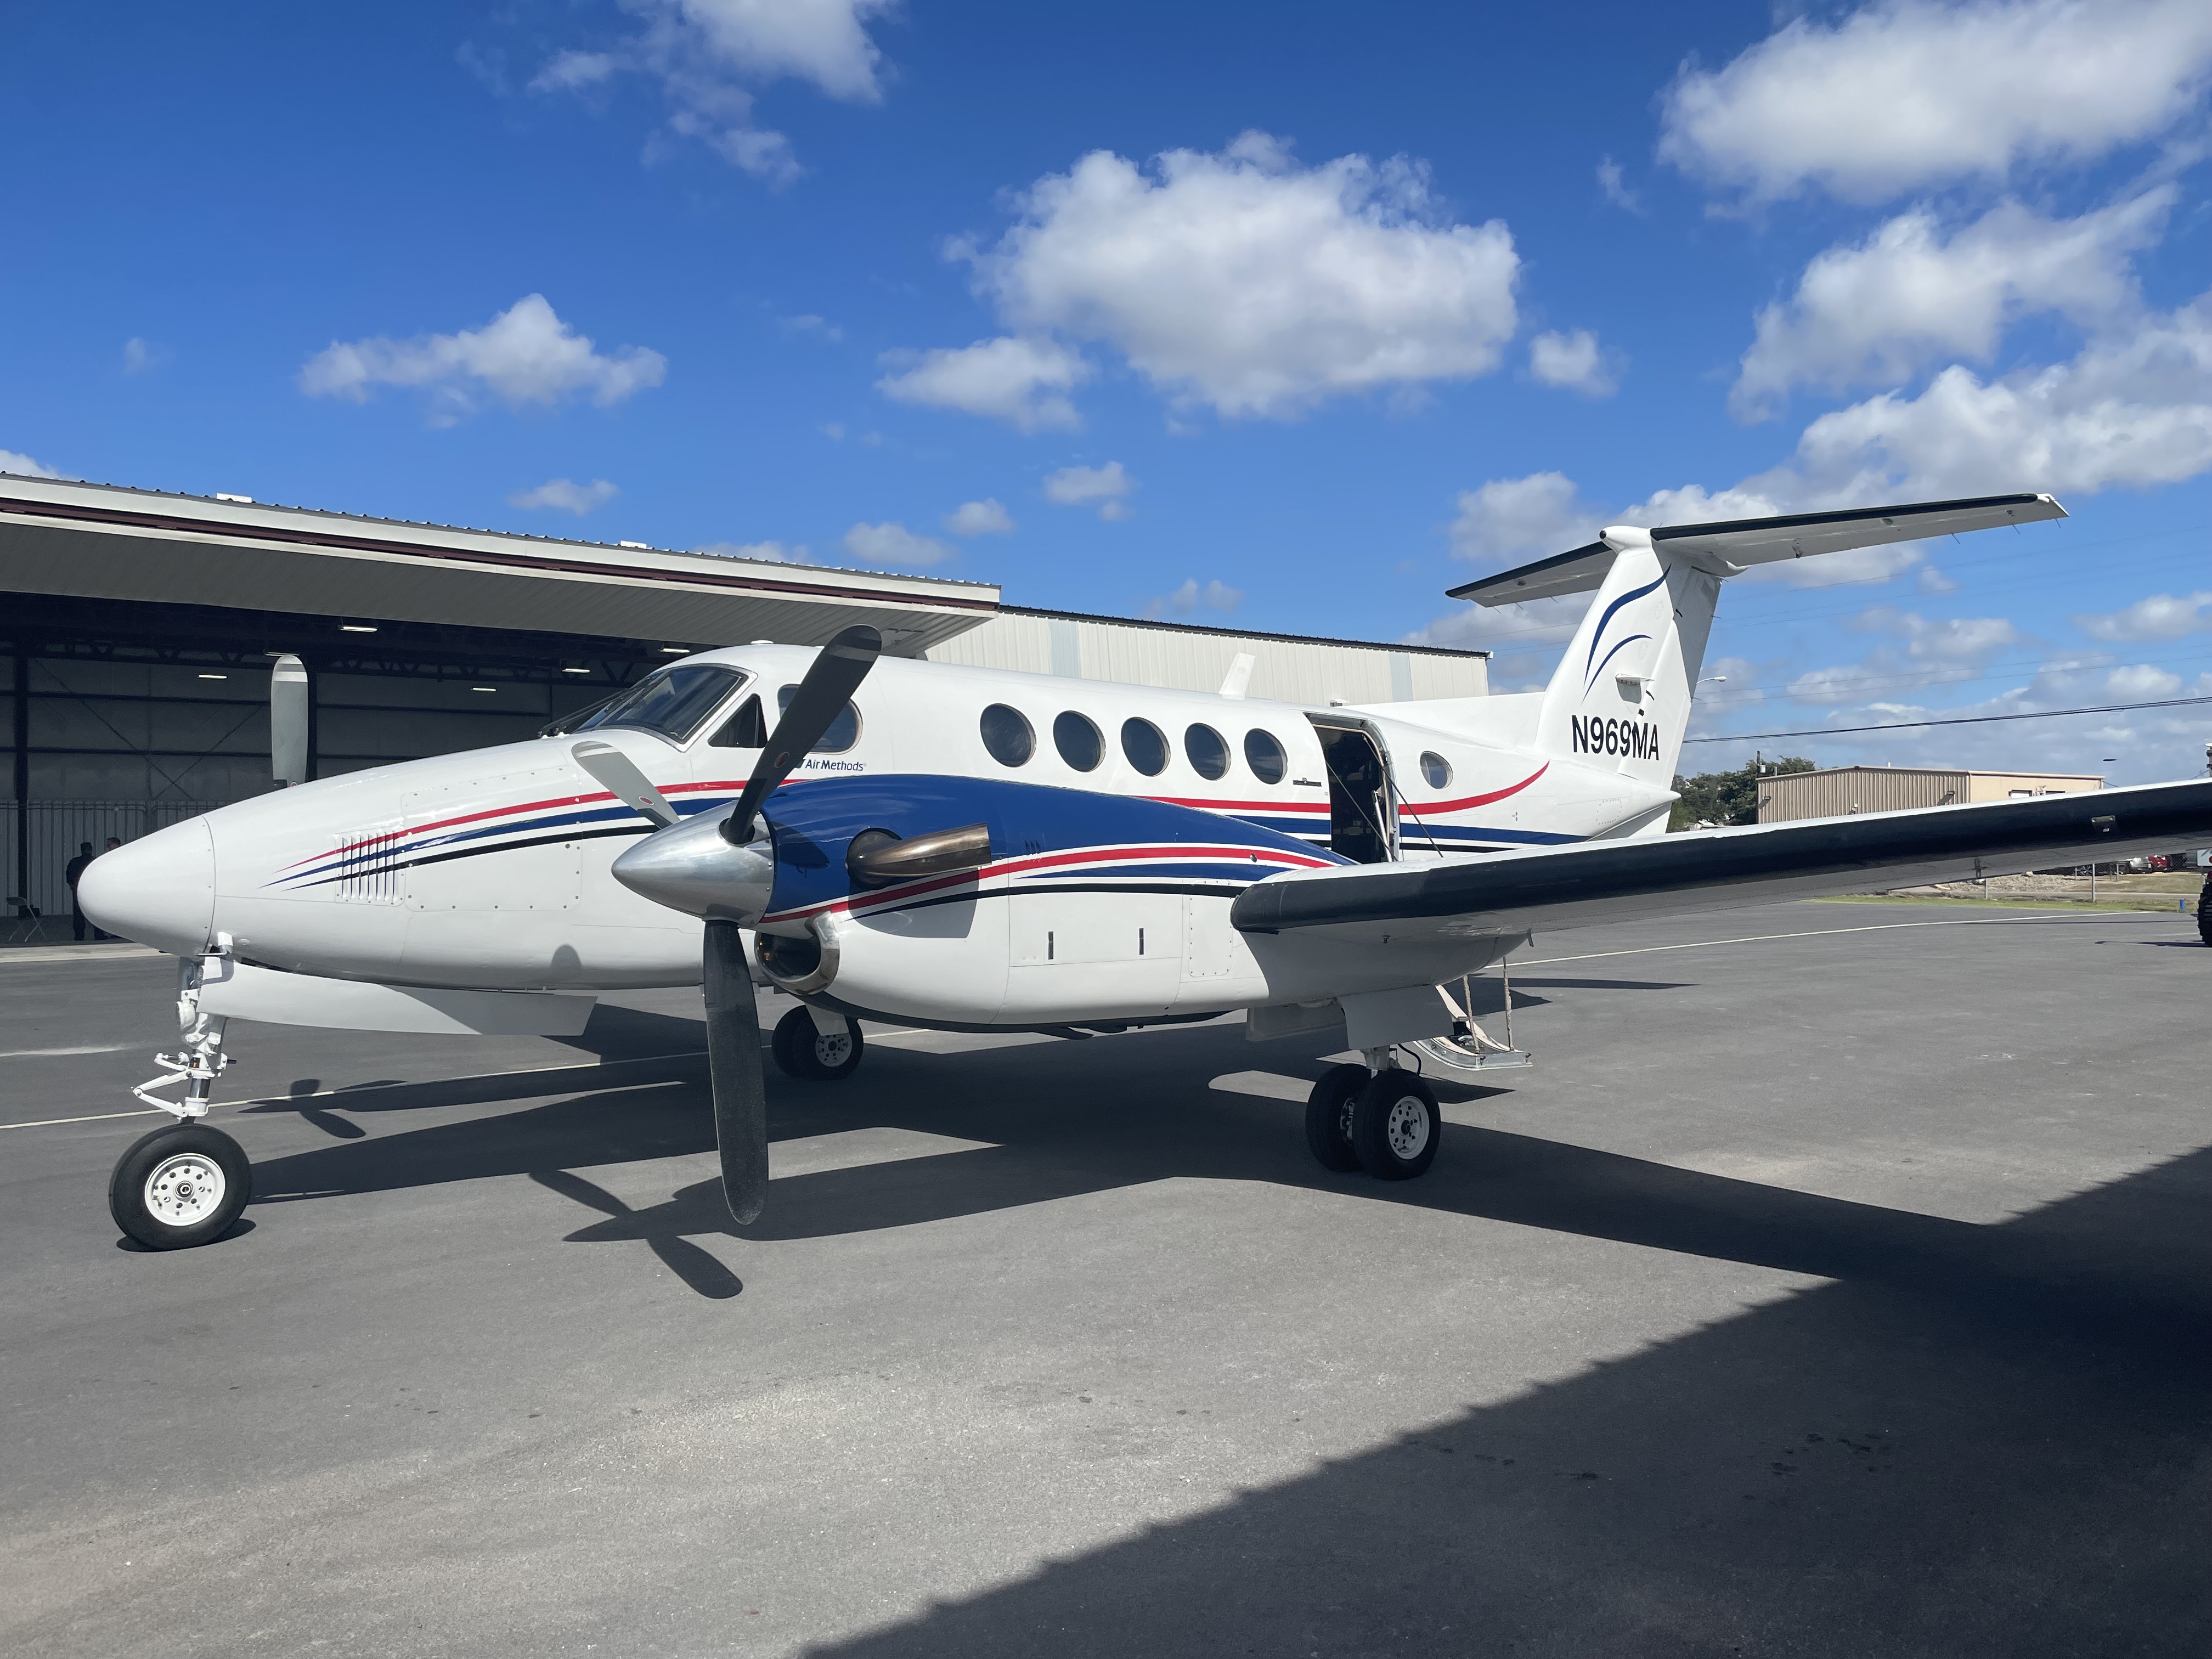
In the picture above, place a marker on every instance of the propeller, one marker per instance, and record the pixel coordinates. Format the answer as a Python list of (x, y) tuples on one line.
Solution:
[(287, 721), (724, 873), (827, 687), (733, 1062), (614, 770)]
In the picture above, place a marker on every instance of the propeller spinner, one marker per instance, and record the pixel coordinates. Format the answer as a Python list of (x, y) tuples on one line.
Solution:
[(723, 870)]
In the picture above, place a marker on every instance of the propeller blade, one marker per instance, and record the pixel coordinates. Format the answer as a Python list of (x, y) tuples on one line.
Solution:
[(822, 693), (734, 1061), (614, 770), (287, 721)]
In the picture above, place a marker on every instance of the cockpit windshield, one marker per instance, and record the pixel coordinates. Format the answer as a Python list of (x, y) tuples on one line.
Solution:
[(675, 702)]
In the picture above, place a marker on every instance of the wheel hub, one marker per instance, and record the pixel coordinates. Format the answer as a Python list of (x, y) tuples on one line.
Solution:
[(1407, 1127), (833, 1051), (185, 1189)]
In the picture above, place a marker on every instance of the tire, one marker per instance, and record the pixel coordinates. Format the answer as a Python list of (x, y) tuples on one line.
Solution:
[(2204, 913), (1328, 1116), (179, 1186), (1395, 1127), (802, 1052)]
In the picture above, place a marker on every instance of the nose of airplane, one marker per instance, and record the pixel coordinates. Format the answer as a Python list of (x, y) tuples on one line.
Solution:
[(159, 890)]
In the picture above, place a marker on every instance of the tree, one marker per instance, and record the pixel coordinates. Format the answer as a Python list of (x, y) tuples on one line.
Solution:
[(1728, 797)]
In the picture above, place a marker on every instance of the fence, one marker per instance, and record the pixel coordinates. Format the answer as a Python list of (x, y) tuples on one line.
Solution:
[(58, 827)]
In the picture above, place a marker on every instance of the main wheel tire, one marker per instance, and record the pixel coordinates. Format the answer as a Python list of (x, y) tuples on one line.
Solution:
[(1328, 1116), (2204, 913), (1395, 1127), (180, 1185), (802, 1052)]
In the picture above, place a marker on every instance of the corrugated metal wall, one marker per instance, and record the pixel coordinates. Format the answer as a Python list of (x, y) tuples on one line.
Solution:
[(1134, 652), (1856, 789)]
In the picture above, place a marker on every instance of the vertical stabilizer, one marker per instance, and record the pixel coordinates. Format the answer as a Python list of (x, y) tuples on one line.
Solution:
[(1621, 696)]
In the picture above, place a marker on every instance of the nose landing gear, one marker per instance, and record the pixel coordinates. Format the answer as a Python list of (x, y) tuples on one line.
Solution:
[(185, 1183)]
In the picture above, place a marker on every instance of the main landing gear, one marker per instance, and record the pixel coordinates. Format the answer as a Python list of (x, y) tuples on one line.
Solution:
[(803, 1049), (185, 1183), (1374, 1117)]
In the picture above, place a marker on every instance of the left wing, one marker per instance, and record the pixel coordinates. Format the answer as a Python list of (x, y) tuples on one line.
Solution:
[(1602, 881)]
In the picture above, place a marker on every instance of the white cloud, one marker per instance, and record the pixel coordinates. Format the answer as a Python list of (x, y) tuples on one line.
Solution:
[(1188, 597), (705, 53), (1880, 312), (1245, 283), (566, 495), (987, 517), (1509, 521), (525, 355), (2141, 680), (1076, 486), (2132, 409), (140, 356), (23, 466), (810, 326), (2160, 616), (1905, 94), (1574, 362), (1617, 193), (894, 544), (572, 69), (1025, 381), (768, 552)]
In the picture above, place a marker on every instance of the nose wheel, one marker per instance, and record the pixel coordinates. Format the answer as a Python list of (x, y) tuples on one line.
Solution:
[(180, 1186)]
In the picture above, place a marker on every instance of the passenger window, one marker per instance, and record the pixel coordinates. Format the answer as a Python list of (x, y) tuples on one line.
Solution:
[(1008, 735), (1079, 741), (1436, 769), (844, 731), (1264, 755), (1145, 746), (746, 729), (1208, 754)]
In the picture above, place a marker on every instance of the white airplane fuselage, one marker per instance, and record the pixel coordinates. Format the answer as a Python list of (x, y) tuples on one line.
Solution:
[(489, 870)]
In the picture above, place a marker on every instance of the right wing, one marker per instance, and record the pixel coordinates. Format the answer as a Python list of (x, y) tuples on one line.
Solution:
[(1601, 881)]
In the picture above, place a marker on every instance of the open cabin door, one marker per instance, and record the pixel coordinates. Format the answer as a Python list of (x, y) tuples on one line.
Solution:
[(1363, 800)]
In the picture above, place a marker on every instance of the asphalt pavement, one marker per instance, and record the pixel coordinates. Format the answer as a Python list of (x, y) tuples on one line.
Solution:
[(1840, 1281)]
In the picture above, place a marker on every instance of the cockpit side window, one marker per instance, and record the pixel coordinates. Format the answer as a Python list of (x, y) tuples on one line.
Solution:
[(674, 703), (746, 729)]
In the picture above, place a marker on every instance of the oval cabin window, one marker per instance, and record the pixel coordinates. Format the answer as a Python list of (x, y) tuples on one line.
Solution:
[(844, 731), (1264, 755), (1436, 769), (1008, 735), (1145, 746), (1079, 741), (1207, 753)]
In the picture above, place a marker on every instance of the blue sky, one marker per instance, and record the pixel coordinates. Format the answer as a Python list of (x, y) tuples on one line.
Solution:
[(1282, 316)]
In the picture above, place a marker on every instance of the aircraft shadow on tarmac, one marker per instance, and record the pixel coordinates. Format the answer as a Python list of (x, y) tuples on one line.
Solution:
[(2003, 1452)]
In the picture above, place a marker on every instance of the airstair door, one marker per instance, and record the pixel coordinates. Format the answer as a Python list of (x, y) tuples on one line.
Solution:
[(1362, 804)]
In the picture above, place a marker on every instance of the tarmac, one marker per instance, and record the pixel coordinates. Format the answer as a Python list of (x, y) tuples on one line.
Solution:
[(1838, 1281)]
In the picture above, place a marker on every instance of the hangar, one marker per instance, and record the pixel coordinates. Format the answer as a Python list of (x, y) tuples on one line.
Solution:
[(141, 625)]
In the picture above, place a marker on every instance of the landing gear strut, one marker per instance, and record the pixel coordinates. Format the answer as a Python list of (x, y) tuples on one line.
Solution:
[(185, 1183)]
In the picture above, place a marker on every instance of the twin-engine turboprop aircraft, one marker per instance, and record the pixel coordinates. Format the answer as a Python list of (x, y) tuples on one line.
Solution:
[(971, 850)]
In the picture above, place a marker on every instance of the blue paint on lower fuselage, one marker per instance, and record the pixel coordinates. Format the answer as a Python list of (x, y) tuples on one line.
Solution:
[(814, 825)]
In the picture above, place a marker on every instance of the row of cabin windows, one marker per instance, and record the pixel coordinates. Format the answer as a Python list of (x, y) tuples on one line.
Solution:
[(678, 701), (1011, 741)]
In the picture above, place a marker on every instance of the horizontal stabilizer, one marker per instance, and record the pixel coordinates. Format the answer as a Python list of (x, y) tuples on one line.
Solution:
[(1606, 881), (1737, 543)]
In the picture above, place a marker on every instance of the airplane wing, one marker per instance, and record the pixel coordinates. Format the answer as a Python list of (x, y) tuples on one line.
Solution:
[(1579, 886), (1738, 544)]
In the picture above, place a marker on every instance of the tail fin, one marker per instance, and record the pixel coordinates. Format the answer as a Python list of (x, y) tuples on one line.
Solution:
[(1621, 696)]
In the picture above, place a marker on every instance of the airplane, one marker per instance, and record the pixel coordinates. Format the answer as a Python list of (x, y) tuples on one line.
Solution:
[(928, 845)]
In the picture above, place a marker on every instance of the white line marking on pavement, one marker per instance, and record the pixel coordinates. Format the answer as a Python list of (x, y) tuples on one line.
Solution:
[(54, 1054), (1818, 932)]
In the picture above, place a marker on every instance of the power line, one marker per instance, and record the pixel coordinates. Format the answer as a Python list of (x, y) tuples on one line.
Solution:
[(1963, 720)]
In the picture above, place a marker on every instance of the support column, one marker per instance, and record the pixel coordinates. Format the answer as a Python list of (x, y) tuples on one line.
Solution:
[(22, 710)]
